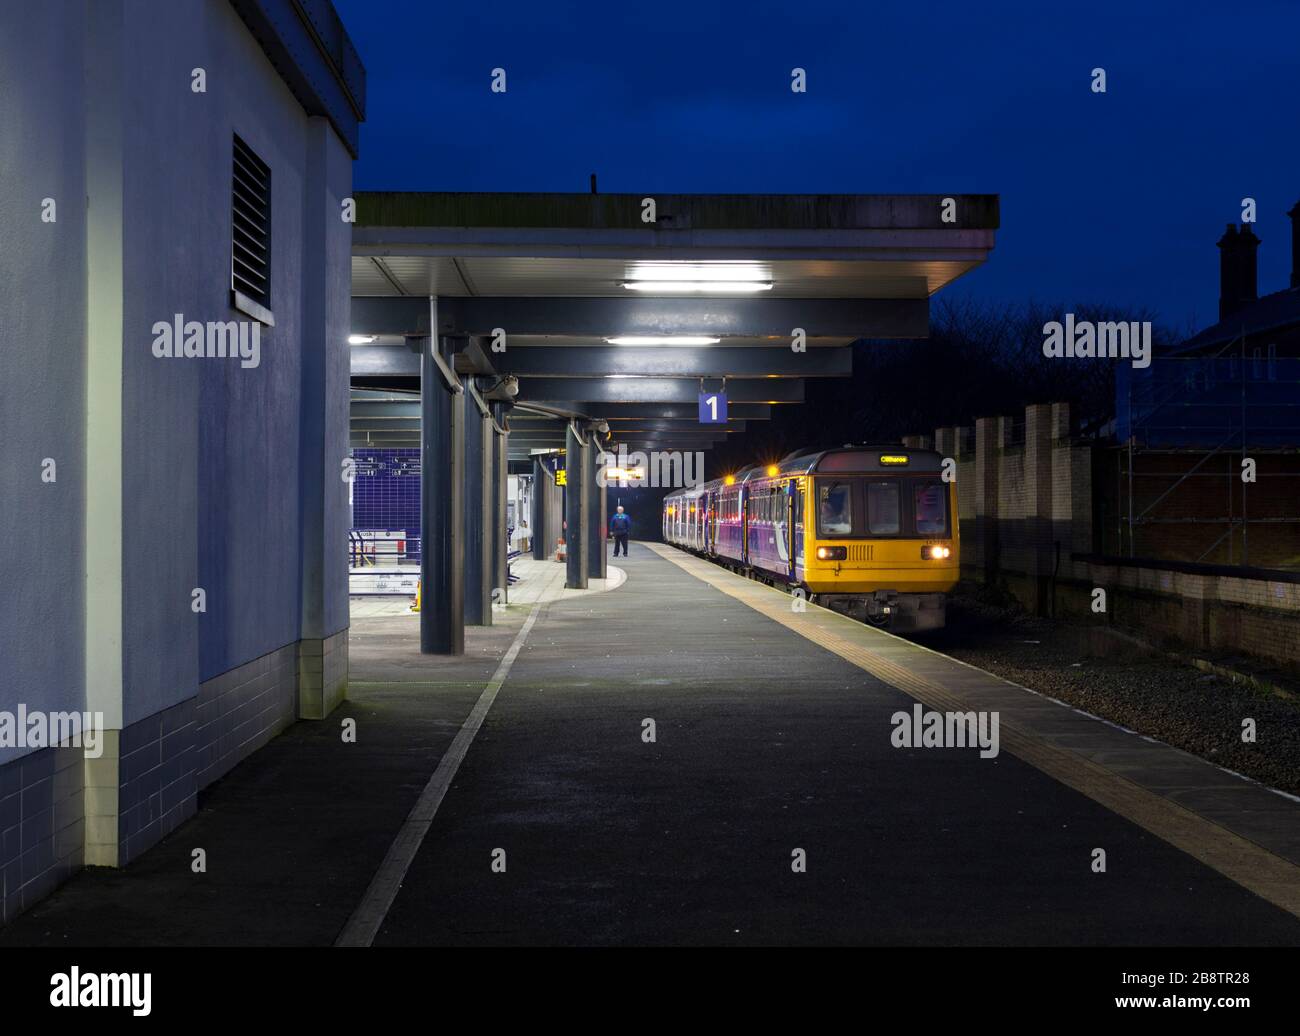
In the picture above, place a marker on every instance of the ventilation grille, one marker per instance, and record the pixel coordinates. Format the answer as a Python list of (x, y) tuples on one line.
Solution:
[(250, 256), (861, 552)]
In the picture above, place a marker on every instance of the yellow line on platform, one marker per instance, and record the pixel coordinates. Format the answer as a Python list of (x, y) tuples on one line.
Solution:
[(1250, 865)]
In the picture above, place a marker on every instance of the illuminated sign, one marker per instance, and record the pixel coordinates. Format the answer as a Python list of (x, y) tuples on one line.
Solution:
[(893, 458), (561, 476)]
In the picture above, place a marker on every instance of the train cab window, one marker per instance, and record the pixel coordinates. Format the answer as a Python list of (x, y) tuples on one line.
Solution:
[(835, 509), (931, 514), (882, 508)]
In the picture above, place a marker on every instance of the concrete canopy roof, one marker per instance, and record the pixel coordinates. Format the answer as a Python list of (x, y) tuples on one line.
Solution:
[(550, 270)]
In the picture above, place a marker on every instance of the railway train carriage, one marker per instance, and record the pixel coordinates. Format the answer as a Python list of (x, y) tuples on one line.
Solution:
[(869, 531)]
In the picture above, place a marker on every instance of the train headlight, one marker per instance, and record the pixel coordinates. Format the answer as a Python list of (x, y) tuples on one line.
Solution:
[(935, 553), (832, 553)]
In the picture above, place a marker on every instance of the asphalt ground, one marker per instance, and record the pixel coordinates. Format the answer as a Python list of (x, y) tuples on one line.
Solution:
[(765, 744)]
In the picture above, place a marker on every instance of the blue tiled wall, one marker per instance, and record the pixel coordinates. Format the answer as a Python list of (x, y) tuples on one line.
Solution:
[(386, 493)]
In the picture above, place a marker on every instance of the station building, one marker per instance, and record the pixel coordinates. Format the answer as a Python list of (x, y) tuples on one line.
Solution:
[(170, 523)]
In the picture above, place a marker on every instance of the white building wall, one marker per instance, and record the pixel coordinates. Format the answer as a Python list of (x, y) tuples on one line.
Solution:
[(172, 474)]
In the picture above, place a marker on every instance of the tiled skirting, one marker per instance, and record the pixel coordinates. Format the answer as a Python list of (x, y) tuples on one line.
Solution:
[(241, 710), (60, 811), (42, 826), (322, 675)]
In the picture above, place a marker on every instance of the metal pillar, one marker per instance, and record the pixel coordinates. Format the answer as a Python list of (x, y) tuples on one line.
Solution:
[(479, 532), (500, 470), (595, 526), (575, 510), (540, 483), (442, 515)]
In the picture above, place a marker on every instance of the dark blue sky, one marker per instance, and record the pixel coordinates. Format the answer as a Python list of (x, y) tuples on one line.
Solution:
[(1115, 198)]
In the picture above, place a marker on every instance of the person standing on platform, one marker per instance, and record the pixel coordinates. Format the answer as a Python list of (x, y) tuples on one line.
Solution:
[(619, 526)]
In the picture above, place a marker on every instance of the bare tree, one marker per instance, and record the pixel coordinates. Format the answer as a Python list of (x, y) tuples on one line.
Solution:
[(981, 359)]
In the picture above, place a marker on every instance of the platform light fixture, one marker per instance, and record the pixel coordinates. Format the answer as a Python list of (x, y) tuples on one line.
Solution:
[(703, 287), (663, 340), (361, 339), (710, 278)]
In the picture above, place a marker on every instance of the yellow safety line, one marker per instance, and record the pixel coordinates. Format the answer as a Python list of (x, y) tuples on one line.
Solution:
[(1248, 864)]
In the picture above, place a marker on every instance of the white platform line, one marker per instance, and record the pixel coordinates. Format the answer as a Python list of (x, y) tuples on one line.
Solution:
[(363, 925)]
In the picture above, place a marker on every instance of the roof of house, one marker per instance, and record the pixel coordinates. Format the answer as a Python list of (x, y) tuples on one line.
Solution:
[(1269, 313)]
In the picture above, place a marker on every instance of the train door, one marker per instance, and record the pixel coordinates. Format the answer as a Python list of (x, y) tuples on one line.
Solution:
[(796, 528), (744, 525)]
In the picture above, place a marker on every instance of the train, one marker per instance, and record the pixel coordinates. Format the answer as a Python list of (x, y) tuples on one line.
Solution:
[(869, 531)]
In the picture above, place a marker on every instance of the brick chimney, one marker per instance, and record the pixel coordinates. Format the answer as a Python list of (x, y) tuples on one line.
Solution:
[(1295, 244), (1238, 278)]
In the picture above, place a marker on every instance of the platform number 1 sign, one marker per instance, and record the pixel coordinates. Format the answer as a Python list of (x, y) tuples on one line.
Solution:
[(713, 408)]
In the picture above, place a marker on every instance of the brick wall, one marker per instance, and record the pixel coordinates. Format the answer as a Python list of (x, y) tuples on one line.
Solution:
[(1188, 515), (1040, 517)]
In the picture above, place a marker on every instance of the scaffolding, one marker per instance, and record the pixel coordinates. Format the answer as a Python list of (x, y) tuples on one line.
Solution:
[(1226, 408)]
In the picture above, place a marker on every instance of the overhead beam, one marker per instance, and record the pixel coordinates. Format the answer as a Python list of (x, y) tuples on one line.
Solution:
[(385, 361), (384, 427), (384, 409), (819, 318), (716, 361), (548, 438), (631, 411), (646, 315), (548, 361), (627, 427), (658, 390)]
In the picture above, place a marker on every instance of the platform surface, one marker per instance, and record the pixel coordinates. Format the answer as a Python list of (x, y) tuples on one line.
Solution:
[(771, 742)]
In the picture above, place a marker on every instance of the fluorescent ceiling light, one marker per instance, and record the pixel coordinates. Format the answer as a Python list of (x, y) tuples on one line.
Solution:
[(361, 339), (709, 287), (663, 340), (719, 277), (721, 271)]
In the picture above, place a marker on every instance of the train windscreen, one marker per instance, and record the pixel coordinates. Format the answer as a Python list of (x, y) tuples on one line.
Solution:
[(930, 507), (872, 506), (835, 508)]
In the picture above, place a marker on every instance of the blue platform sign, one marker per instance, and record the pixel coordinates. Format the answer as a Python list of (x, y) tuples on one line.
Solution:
[(713, 408)]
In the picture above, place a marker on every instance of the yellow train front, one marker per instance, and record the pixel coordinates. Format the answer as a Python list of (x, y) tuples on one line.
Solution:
[(869, 531)]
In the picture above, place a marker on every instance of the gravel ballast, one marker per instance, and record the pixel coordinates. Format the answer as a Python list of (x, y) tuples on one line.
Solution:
[(1175, 703)]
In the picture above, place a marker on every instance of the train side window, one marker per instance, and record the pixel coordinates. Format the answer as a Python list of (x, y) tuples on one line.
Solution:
[(931, 514), (882, 508), (835, 509)]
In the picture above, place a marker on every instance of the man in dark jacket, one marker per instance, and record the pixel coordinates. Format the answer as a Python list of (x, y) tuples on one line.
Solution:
[(619, 526)]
